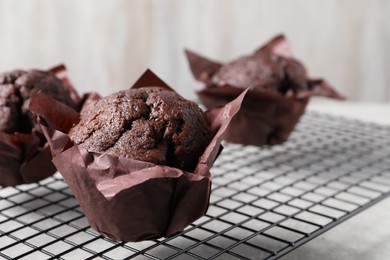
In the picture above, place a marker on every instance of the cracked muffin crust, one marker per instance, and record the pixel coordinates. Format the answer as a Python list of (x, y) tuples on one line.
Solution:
[(149, 124), (16, 88), (263, 70)]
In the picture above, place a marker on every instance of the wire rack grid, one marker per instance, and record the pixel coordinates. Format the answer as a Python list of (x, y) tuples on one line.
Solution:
[(265, 202)]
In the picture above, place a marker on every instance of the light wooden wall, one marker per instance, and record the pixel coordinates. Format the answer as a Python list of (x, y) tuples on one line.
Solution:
[(107, 44)]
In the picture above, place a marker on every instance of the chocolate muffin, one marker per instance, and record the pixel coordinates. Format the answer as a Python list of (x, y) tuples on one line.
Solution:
[(149, 124), (263, 71), (16, 88), (279, 90)]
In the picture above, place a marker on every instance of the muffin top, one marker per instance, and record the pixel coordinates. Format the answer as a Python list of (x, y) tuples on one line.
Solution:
[(16, 89), (149, 124), (263, 70)]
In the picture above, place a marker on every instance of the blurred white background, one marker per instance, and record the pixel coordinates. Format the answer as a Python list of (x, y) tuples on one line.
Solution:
[(107, 44)]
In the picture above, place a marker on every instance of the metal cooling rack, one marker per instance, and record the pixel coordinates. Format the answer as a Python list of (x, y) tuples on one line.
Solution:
[(265, 202)]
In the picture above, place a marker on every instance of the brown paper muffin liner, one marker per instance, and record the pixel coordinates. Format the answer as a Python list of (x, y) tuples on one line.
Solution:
[(265, 118), (131, 200), (23, 157)]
